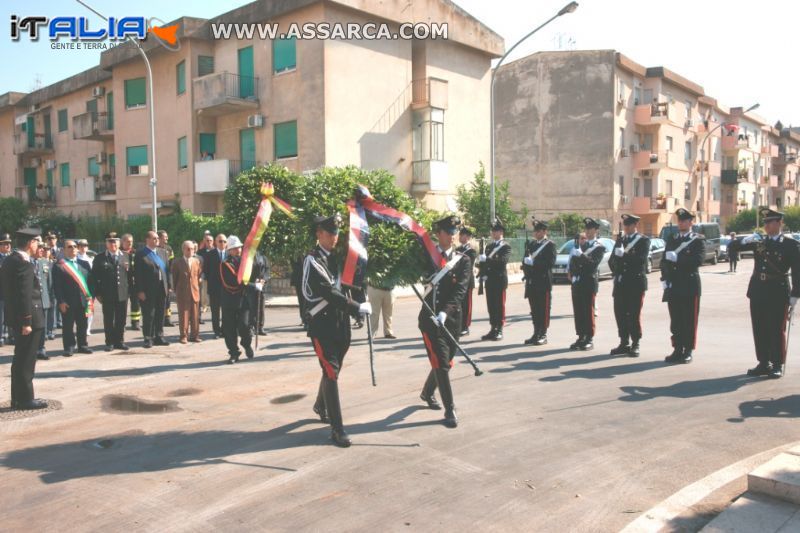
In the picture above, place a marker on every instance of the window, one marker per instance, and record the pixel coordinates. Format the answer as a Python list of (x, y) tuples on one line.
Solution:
[(94, 168), (621, 90), (183, 160), (427, 139), (646, 141), (688, 105), (208, 144), (64, 171), (715, 185), (136, 160), (284, 55), (180, 77), (669, 143), (205, 65), (135, 93), (648, 187), (636, 186), (687, 151), (668, 188), (63, 120), (622, 185), (622, 138), (285, 139)]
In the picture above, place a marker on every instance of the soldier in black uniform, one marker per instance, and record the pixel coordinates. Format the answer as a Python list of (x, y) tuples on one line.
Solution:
[(235, 307), (152, 289), (163, 243), (680, 279), (253, 293), (583, 263), (492, 269), (771, 295), (537, 265), (24, 315), (464, 236), (328, 309), (126, 245), (110, 286), (628, 264), (445, 295)]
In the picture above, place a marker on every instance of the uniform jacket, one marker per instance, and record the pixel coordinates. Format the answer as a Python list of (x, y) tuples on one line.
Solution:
[(186, 280), (131, 254), (2, 258), (23, 294), (232, 294), (150, 278), (66, 288), (472, 255), (682, 277), (321, 283), (494, 268), (630, 270), (447, 296), (539, 276), (583, 268), (44, 271), (110, 277), (772, 261)]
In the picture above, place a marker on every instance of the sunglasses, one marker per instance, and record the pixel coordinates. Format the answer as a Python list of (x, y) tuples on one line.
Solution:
[(222, 242), (71, 246)]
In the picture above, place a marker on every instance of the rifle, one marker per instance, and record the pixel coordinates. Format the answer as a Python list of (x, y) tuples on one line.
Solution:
[(481, 247)]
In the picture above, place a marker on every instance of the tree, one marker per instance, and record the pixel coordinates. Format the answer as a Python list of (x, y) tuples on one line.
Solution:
[(13, 214), (569, 223), (474, 203), (743, 222)]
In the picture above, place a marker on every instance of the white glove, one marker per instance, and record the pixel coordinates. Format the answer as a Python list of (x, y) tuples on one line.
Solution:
[(259, 286), (484, 278), (482, 258), (671, 256), (665, 285), (576, 252), (365, 308), (619, 252), (441, 317), (792, 300), (528, 261)]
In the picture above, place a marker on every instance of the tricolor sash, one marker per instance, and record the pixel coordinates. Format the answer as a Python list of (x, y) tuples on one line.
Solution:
[(253, 240), (76, 274)]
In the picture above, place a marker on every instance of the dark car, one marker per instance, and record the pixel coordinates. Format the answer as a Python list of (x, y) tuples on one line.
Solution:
[(709, 230), (562, 260), (656, 254), (723, 248)]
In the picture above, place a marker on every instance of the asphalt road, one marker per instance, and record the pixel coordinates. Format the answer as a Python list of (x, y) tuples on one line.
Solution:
[(549, 440)]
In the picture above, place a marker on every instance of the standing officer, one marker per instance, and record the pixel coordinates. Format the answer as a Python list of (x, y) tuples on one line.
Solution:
[(772, 297), (733, 253), (152, 289), (493, 271), (540, 256), (328, 308), (110, 279), (628, 264), (44, 273), (583, 264), (5, 251), (127, 249), (445, 296), (464, 236), (683, 256), (24, 316), (235, 308), (253, 293), (74, 296), (163, 243)]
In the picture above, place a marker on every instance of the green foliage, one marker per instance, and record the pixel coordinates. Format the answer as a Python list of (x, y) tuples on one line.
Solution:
[(474, 203), (13, 215), (743, 222), (568, 224), (55, 221)]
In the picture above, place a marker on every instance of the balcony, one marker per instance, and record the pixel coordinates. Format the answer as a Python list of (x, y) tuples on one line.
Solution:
[(214, 176), (770, 150), (770, 181), (709, 168), (429, 92), (96, 189), (38, 144), (223, 93), (733, 142), (644, 205), (43, 195), (654, 114), (647, 160), (789, 185), (93, 126), (429, 175)]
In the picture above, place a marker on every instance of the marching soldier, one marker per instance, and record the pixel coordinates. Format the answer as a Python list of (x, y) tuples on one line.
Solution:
[(445, 296), (772, 297), (683, 256), (254, 291), (492, 269), (152, 289), (628, 264), (328, 309), (235, 309), (126, 245), (583, 264), (540, 255), (110, 283), (74, 296), (163, 243), (464, 236)]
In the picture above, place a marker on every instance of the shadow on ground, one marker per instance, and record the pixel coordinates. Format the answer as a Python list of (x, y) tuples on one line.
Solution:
[(686, 389)]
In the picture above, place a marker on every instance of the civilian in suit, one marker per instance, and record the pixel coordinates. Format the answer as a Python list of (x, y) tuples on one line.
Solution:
[(152, 289), (163, 243), (206, 246), (110, 286), (186, 273), (71, 287), (44, 272), (211, 263)]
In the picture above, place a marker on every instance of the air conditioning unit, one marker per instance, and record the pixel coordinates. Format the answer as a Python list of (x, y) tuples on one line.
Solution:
[(50, 164), (35, 162), (255, 121), (623, 152), (100, 157), (98, 91), (634, 148)]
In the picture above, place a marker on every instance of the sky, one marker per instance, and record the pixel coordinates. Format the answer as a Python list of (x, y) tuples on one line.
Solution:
[(740, 51)]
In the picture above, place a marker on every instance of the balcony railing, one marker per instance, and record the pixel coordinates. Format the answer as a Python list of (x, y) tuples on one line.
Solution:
[(42, 196), (39, 143), (734, 176), (654, 114), (214, 176), (93, 126), (429, 92), (224, 92), (771, 150), (737, 142), (643, 205), (429, 175)]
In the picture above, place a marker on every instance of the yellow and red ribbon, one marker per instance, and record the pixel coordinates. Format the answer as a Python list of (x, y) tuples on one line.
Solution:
[(250, 249)]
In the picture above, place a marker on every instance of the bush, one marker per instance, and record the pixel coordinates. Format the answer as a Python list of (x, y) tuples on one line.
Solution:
[(13, 215), (570, 224), (474, 203)]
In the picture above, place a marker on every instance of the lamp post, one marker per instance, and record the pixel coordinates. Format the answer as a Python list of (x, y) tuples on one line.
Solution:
[(154, 179), (569, 8), (703, 155)]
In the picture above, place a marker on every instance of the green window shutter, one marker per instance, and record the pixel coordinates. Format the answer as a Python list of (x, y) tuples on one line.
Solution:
[(183, 161), (112, 161), (285, 139), (284, 54), (136, 156), (205, 65), (94, 168), (63, 120), (208, 143), (49, 175), (135, 93), (91, 105), (180, 77), (64, 174)]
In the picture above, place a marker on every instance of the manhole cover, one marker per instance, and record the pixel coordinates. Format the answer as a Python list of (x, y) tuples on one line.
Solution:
[(6, 413), (117, 403)]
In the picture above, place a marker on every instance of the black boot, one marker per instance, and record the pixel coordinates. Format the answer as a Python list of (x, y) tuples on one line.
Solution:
[(540, 340), (533, 337), (498, 335), (762, 369), (587, 344), (577, 344), (338, 434), (446, 392), (686, 358), (489, 336), (319, 405), (135, 325), (675, 357), (634, 351), (622, 349), (427, 392)]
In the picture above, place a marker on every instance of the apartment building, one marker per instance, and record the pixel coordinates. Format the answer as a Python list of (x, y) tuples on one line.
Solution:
[(225, 105), (597, 133)]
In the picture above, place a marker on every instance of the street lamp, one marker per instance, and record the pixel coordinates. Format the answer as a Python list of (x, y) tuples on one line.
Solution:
[(703, 155), (569, 8)]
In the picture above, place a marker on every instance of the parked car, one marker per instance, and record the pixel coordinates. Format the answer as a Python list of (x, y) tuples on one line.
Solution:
[(656, 254), (709, 230), (723, 248), (562, 260), (743, 253)]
